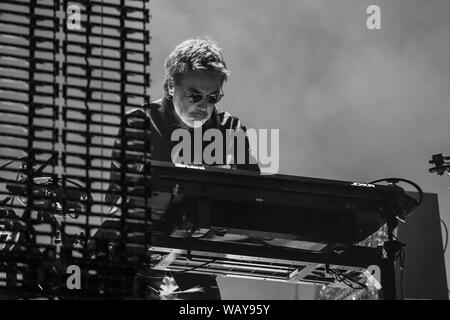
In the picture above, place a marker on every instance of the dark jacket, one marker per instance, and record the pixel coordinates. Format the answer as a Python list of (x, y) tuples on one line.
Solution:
[(147, 132)]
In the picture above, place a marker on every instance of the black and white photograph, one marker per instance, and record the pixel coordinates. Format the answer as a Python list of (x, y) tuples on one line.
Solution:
[(227, 153)]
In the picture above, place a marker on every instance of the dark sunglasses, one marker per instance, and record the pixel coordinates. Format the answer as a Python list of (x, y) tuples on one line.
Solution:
[(197, 97)]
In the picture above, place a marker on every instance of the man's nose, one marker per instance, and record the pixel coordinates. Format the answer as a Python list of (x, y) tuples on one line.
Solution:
[(203, 104)]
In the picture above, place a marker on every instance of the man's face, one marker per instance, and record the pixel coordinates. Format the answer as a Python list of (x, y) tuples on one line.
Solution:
[(195, 114)]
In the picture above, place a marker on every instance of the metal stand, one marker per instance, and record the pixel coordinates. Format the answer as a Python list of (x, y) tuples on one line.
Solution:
[(392, 248), (278, 263)]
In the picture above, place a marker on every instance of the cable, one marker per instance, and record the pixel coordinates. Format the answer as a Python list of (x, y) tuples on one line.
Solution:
[(339, 276), (7, 164), (401, 256), (5, 201), (11, 161), (397, 180), (200, 266), (402, 270), (446, 235)]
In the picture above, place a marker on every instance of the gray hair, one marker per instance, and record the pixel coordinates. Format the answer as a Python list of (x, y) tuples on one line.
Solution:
[(195, 55)]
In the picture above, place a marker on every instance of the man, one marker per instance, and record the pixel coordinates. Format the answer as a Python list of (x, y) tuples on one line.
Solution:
[(195, 74)]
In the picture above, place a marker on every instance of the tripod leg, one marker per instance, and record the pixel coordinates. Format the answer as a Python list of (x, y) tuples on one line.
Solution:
[(388, 291)]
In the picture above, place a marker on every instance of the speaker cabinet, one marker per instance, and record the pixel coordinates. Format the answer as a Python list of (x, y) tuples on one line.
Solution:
[(424, 275)]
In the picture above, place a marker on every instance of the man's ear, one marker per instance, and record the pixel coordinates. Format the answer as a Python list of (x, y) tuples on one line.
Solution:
[(170, 87)]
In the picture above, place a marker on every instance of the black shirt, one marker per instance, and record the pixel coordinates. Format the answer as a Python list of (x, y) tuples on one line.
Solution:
[(147, 132)]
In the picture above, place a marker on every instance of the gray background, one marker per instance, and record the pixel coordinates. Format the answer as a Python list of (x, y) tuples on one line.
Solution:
[(351, 103)]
